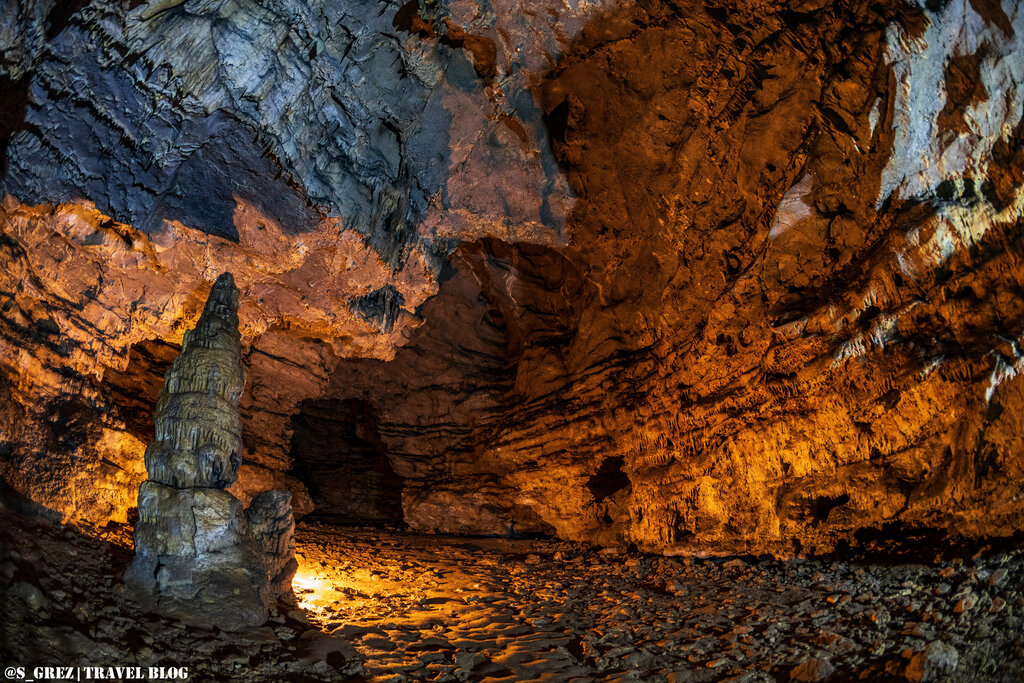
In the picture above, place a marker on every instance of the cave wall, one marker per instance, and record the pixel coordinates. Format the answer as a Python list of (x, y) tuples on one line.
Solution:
[(737, 276)]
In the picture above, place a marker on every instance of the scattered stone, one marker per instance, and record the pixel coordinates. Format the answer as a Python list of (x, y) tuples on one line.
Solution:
[(393, 608), (811, 670), (965, 603), (937, 660), (30, 595)]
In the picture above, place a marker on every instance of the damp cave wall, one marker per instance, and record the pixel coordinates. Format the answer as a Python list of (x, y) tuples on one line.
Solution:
[(732, 277)]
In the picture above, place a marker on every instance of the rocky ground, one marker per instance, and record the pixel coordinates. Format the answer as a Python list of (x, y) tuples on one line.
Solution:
[(393, 606)]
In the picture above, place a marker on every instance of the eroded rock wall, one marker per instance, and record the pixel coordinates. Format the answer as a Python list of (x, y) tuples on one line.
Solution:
[(787, 309), (147, 147), (736, 276)]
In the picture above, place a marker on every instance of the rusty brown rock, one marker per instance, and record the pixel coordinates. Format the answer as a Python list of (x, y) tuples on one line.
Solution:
[(742, 277)]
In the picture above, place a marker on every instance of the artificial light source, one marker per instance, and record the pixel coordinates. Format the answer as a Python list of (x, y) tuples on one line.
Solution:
[(313, 590)]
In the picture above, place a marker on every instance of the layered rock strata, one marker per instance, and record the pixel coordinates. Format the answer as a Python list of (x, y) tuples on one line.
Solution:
[(789, 314), (735, 276), (196, 550)]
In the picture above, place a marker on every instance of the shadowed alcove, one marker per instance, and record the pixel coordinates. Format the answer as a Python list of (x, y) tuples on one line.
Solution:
[(339, 456)]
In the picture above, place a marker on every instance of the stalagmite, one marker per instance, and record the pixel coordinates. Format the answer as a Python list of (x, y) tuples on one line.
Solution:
[(195, 550)]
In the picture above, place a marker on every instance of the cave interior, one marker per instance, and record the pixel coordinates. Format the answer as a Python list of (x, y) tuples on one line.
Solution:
[(491, 340)]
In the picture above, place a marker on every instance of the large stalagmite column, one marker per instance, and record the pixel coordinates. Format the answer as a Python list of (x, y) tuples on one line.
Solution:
[(196, 552)]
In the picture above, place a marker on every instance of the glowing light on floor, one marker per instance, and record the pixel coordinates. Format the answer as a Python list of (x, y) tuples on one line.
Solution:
[(319, 588), (313, 589)]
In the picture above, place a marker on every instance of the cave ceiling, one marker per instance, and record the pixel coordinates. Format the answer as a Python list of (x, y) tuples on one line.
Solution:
[(735, 276)]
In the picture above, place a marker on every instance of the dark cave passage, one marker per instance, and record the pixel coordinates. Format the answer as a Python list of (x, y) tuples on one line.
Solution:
[(338, 454)]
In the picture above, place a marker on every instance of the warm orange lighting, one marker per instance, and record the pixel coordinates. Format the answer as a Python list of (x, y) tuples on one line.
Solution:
[(324, 590), (314, 589)]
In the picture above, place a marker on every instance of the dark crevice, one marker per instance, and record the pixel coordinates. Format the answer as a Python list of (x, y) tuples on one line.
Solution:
[(381, 307), (133, 392), (14, 96), (824, 506), (60, 16), (609, 480)]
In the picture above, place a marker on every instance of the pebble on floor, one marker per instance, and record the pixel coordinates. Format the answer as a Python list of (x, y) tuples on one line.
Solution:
[(392, 606)]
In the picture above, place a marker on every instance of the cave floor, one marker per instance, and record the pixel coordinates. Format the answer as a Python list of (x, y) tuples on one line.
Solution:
[(449, 608), (392, 606)]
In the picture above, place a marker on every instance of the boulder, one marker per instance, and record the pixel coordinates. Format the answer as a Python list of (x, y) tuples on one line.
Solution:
[(272, 526), (194, 556)]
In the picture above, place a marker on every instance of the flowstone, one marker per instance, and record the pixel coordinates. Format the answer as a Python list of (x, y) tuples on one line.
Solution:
[(196, 553)]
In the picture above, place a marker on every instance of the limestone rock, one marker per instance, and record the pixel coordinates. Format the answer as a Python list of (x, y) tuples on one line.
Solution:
[(728, 278), (477, 507), (198, 429), (195, 552), (812, 670), (194, 555), (254, 479), (272, 525), (935, 662), (776, 323)]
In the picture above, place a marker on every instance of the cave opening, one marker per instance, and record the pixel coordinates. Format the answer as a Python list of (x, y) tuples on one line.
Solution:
[(824, 505), (608, 480), (338, 454)]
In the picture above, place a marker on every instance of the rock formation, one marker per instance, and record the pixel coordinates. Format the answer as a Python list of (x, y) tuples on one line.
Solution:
[(735, 276), (195, 550), (198, 430), (272, 525)]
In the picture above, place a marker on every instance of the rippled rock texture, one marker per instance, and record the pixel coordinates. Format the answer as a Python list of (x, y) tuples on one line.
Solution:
[(198, 431), (196, 551), (731, 276)]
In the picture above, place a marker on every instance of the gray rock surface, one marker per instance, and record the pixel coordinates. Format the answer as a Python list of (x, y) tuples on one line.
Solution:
[(936, 662), (194, 556), (195, 553), (217, 99), (272, 525)]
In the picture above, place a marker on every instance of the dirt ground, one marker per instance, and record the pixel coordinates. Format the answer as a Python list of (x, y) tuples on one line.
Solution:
[(393, 606)]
